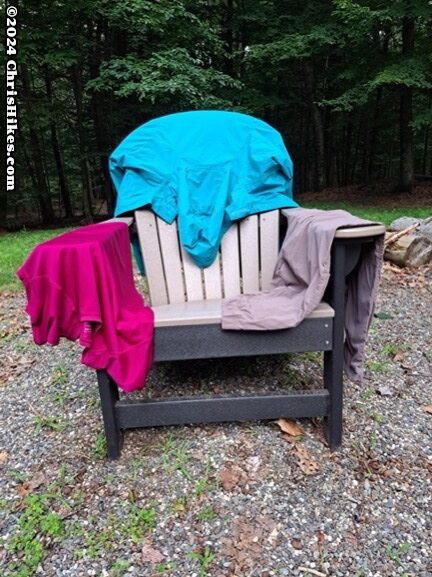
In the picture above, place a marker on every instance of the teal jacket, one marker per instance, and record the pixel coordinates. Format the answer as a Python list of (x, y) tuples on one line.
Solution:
[(206, 168)]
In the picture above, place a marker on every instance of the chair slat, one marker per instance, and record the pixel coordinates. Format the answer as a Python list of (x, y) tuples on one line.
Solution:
[(170, 252), (150, 249), (212, 280), (193, 278), (269, 245), (210, 312), (231, 262), (249, 253)]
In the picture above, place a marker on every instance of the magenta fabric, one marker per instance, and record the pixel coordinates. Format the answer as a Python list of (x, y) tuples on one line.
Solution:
[(80, 285)]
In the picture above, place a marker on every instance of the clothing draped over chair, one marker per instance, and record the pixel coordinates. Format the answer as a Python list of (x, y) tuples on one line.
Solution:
[(80, 285), (205, 168), (300, 279)]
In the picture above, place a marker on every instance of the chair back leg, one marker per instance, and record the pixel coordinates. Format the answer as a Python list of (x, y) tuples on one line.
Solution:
[(333, 360)]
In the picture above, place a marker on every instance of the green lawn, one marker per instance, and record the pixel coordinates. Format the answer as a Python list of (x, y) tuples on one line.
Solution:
[(380, 214), (14, 247)]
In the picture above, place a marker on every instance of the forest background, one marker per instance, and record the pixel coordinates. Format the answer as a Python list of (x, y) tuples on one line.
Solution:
[(348, 84)]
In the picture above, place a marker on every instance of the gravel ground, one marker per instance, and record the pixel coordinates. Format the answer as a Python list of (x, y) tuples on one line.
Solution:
[(232, 500)]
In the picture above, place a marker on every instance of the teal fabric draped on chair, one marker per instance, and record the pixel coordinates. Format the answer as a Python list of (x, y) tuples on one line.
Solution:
[(206, 168)]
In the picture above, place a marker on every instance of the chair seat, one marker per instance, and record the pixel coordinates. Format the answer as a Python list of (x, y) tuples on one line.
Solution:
[(208, 312)]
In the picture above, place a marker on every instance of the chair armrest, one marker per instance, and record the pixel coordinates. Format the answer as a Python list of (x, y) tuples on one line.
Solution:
[(365, 231), (126, 219), (361, 231)]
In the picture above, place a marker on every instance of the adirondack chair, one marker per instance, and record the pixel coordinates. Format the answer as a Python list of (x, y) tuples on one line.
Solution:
[(187, 304)]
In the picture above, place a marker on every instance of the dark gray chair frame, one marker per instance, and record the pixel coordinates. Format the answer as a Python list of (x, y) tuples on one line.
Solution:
[(210, 341)]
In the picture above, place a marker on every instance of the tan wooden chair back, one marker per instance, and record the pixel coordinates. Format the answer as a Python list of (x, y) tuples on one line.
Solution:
[(244, 264)]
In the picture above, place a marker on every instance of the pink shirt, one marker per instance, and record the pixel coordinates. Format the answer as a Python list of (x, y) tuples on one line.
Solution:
[(80, 285)]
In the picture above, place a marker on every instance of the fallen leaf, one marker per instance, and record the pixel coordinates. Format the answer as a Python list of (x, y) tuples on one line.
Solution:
[(399, 356), (351, 538), (306, 464), (22, 489), (384, 391), (428, 409), (150, 555), (178, 506), (3, 456), (319, 536), (290, 427), (227, 477), (36, 481)]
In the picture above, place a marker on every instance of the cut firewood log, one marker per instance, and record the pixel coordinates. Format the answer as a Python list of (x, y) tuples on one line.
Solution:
[(410, 250)]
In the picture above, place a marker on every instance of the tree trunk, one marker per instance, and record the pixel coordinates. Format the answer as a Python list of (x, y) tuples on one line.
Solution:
[(78, 95), (57, 153), (228, 36), (100, 107), (374, 135), (406, 177), (317, 126), (42, 191), (426, 142)]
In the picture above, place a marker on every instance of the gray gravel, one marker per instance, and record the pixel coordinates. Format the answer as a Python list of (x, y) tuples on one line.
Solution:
[(225, 500)]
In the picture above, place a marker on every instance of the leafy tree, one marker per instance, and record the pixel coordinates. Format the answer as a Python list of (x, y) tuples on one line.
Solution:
[(347, 82)]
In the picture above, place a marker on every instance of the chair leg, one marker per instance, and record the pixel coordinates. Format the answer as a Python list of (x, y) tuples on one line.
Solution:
[(109, 395), (333, 360), (333, 382)]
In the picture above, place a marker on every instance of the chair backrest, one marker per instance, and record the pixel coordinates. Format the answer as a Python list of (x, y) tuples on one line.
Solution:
[(244, 264)]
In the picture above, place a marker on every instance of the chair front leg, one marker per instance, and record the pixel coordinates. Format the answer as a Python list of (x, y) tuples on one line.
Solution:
[(109, 395), (333, 360)]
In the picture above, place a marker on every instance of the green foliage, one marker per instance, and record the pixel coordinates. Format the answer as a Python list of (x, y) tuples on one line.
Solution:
[(408, 72), (119, 568), (396, 553), (206, 514), (297, 45), (60, 376), (140, 520), (204, 558), (14, 248), (175, 456), (36, 522), (171, 77), (326, 74), (46, 422), (98, 448), (165, 567)]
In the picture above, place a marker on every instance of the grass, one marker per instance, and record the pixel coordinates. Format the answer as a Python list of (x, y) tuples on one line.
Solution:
[(51, 423), (14, 248), (204, 559), (36, 523), (380, 214), (98, 450)]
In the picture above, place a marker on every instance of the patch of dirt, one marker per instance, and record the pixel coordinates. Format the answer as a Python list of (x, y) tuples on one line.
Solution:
[(380, 194)]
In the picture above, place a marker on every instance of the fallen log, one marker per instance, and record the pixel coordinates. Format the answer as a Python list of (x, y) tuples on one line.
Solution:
[(410, 250)]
